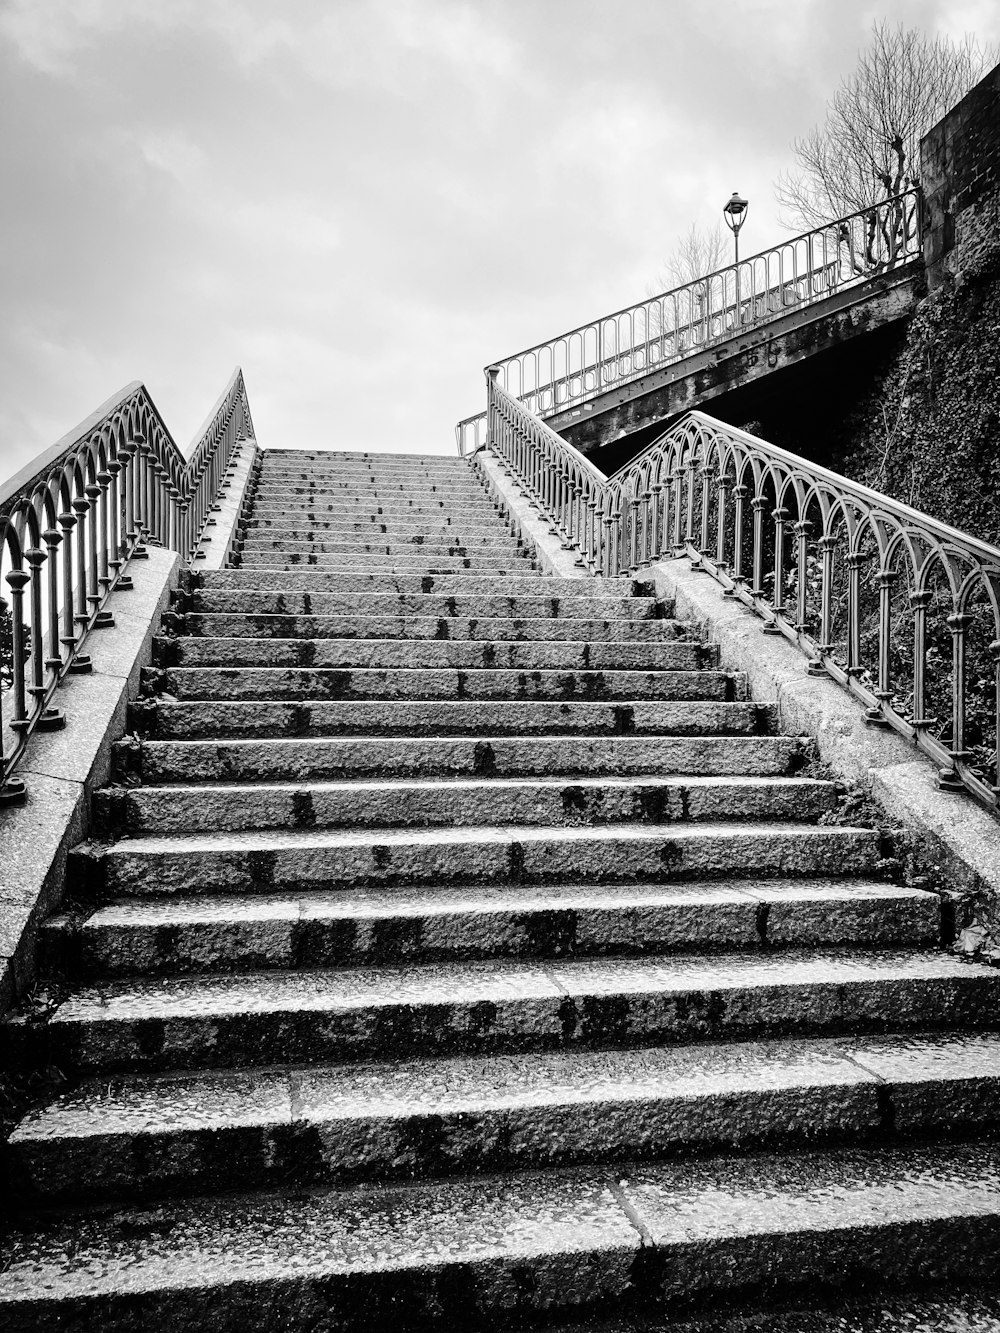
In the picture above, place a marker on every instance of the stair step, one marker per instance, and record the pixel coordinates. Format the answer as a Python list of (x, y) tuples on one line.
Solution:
[(621, 655), (277, 1017), (374, 927), (200, 761), (460, 605), (527, 581), (480, 629), (376, 541), (330, 568), (453, 717), (224, 1130), (459, 802), (325, 858), (522, 1244), (405, 682)]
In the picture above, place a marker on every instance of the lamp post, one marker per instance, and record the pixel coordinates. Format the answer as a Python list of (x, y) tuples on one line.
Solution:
[(735, 213)]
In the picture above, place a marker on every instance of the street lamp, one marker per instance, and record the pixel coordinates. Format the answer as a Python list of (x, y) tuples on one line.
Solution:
[(735, 213)]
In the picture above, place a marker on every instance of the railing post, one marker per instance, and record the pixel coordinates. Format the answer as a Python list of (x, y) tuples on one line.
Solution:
[(919, 602), (886, 581), (18, 578), (827, 545), (855, 560), (740, 493), (949, 778), (780, 514), (802, 530), (758, 504), (53, 540)]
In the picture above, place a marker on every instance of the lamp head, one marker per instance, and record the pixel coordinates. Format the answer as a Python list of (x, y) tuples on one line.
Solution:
[(734, 212)]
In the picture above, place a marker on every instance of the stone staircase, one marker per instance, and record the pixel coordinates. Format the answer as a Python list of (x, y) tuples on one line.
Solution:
[(460, 947)]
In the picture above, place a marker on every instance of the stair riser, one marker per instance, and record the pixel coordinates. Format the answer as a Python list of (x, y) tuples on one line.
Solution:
[(318, 683), (460, 606), (550, 1022), (130, 868), (355, 653), (400, 717), (202, 810), (414, 629), (318, 931)]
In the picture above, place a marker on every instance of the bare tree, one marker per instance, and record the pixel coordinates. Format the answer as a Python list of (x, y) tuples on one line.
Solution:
[(701, 250), (868, 147)]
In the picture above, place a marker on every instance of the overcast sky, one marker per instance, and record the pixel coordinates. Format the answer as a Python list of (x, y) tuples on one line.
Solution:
[(362, 202)]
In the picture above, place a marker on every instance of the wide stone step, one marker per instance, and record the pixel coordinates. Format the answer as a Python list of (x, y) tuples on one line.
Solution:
[(321, 758), (376, 927), (498, 549), (526, 580), (357, 509), (282, 1017), (429, 543), (456, 607), (327, 858), (496, 567), (377, 493), (460, 802), (329, 683), (451, 717), (464, 1253), (479, 629), (226, 1130), (553, 655), (432, 527)]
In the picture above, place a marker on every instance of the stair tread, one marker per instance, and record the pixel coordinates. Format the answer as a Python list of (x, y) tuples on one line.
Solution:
[(362, 902), (805, 1209), (509, 981), (221, 1099), (277, 839)]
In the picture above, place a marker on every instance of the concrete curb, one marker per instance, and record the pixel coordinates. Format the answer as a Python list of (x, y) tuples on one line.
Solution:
[(62, 769), (956, 840), (552, 557), (221, 530)]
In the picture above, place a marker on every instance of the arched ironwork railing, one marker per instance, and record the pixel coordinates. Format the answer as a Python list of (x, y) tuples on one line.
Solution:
[(901, 610), (69, 524), (621, 347)]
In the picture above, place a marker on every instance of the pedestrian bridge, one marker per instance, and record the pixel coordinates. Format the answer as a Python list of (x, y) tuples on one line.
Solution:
[(633, 368)]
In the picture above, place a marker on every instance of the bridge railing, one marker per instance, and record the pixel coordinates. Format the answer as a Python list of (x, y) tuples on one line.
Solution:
[(659, 330), (71, 521), (899, 609)]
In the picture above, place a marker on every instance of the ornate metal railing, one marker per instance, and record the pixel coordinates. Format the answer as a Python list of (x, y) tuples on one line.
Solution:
[(901, 610), (624, 346), (69, 524)]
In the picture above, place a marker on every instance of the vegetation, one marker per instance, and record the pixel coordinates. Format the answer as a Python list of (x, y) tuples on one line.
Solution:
[(868, 147)]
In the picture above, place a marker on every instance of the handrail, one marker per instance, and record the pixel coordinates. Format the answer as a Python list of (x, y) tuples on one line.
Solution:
[(103, 493), (623, 346), (897, 607)]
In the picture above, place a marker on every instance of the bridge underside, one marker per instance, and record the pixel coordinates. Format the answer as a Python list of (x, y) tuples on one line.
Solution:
[(612, 427)]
